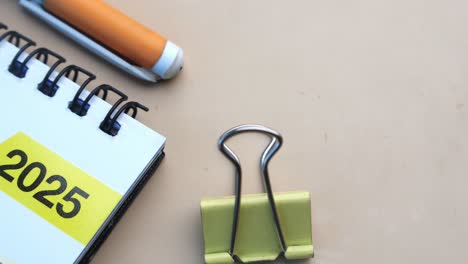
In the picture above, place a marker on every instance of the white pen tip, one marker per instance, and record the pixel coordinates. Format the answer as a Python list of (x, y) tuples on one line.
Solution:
[(170, 63)]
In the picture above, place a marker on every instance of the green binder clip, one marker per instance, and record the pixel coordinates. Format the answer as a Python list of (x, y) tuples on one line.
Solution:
[(264, 226)]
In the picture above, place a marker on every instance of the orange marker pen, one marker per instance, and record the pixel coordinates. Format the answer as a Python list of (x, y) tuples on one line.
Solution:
[(118, 33)]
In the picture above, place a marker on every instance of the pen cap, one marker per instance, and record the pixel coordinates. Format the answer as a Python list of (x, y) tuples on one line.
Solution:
[(121, 34)]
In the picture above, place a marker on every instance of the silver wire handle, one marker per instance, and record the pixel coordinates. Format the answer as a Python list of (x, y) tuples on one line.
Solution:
[(268, 153)]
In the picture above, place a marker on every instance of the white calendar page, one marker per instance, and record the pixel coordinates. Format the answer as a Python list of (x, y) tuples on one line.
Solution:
[(60, 175)]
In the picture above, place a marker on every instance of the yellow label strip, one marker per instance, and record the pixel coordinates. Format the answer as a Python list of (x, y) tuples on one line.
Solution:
[(53, 188)]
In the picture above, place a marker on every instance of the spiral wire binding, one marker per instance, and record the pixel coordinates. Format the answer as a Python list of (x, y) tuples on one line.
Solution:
[(111, 126), (49, 86)]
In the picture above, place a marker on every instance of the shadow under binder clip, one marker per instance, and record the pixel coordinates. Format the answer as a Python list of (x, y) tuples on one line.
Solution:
[(88, 43), (264, 226)]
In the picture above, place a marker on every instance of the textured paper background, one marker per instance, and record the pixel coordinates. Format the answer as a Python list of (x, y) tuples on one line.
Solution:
[(371, 97)]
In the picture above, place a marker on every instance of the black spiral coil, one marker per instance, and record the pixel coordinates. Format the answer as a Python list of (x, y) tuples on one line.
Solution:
[(49, 87)]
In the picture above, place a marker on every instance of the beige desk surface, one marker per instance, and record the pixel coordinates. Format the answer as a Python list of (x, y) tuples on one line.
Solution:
[(370, 96)]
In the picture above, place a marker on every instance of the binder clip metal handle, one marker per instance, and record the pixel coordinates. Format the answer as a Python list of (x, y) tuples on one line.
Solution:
[(267, 155)]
